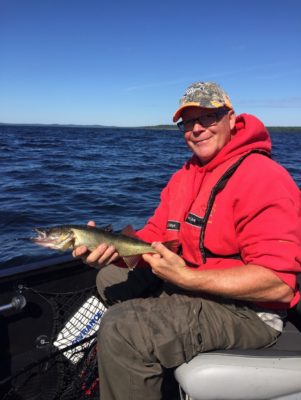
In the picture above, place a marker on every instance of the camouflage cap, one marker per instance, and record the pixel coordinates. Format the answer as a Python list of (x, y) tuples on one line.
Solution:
[(204, 95)]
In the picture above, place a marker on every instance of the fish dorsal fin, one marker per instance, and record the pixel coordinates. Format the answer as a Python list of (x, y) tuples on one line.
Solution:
[(129, 231), (108, 228), (172, 245), (132, 261)]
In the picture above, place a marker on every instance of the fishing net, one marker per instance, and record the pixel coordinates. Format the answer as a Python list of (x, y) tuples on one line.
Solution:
[(67, 369)]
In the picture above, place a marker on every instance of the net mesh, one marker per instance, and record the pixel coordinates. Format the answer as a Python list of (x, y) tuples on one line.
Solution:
[(68, 369)]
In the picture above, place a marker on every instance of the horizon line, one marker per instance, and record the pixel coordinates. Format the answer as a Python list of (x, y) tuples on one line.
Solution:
[(116, 126)]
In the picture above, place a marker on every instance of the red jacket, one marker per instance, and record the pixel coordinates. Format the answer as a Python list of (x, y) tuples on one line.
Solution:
[(256, 215)]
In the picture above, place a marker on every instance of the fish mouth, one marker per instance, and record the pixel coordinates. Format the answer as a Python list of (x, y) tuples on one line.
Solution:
[(45, 242), (50, 241), (42, 235)]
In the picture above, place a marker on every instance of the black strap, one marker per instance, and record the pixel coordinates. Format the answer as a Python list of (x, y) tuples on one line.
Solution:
[(221, 183), (209, 254)]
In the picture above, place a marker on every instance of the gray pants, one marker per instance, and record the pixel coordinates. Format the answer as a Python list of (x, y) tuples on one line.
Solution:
[(142, 336)]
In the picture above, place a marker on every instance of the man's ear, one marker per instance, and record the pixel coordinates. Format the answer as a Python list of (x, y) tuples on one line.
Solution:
[(232, 119)]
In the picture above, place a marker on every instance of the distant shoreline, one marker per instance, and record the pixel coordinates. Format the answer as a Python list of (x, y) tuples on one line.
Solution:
[(289, 129)]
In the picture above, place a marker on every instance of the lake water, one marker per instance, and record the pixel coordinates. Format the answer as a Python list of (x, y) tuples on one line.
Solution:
[(59, 175)]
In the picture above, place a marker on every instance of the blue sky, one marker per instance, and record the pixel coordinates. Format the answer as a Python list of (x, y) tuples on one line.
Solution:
[(127, 62)]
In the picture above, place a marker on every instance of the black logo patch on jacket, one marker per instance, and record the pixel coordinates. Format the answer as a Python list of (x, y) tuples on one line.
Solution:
[(173, 225), (195, 220)]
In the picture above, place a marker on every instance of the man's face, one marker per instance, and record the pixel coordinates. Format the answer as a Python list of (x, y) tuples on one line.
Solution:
[(206, 142)]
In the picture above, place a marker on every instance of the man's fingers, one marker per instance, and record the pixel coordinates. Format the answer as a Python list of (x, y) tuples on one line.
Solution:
[(91, 223), (113, 258), (147, 257), (161, 249), (101, 255), (79, 251), (97, 253), (152, 259)]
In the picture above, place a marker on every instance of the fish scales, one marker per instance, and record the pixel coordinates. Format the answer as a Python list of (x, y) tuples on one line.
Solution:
[(125, 245)]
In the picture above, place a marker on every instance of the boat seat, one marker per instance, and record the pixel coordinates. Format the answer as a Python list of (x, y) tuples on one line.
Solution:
[(273, 373)]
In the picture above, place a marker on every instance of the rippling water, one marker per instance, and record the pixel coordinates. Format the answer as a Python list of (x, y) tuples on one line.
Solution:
[(56, 175)]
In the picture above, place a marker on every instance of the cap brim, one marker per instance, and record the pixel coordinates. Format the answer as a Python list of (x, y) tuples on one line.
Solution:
[(214, 105), (177, 114)]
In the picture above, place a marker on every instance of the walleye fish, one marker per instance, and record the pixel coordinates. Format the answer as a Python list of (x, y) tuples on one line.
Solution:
[(67, 237)]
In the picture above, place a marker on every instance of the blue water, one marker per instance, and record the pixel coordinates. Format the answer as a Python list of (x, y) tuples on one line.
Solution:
[(60, 175)]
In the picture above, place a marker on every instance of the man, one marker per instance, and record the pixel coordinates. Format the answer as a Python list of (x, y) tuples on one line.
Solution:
[(236, 216)]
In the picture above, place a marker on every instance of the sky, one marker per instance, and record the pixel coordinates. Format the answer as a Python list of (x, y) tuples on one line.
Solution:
[(128, 62)]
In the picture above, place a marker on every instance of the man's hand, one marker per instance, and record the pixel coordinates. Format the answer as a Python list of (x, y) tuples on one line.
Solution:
[(168, 266), (99, 257)]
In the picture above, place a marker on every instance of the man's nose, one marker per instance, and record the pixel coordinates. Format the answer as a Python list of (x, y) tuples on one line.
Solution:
[(198, 128)]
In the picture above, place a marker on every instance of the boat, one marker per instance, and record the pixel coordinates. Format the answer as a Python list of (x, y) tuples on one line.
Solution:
[(50, 313)]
